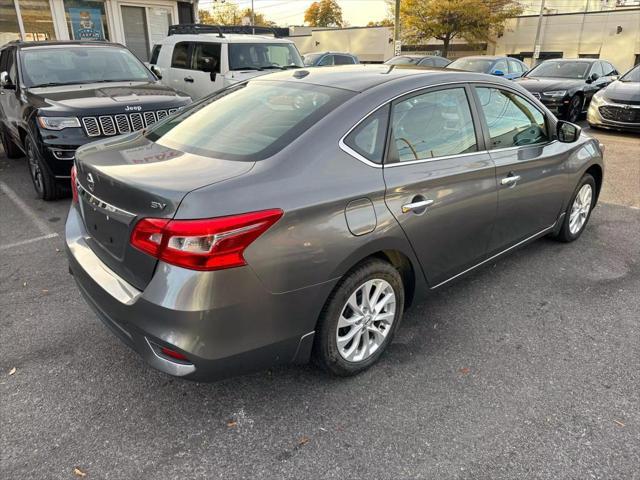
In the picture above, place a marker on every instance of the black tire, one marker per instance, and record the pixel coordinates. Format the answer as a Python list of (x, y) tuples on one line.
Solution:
[(11, 150), (44, 183), (574, 109), (565, 234), (325, 349)]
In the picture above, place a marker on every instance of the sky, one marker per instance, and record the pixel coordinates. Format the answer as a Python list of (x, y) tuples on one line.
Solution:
[(285, 13)]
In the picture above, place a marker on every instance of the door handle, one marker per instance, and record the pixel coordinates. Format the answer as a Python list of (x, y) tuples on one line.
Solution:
[(188, 79), (413, 206), (510, 180)]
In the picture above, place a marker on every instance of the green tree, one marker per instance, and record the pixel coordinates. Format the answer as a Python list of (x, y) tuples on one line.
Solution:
[(324, 13), (229, 13), (445, 20), (260, 19), (387, 22)]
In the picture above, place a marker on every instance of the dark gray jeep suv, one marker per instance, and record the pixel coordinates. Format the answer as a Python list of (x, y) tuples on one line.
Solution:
[(298, 214)]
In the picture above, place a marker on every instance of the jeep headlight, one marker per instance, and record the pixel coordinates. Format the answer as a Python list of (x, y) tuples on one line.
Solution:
[(555, 93), (58, 123)]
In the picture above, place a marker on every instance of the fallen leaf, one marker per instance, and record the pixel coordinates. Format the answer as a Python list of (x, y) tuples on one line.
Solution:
[(12, 371), (78, 473), (57, 249), (619, 423), (232, 424), (465, 370), (24, 284), (45, 291), (303, 441)]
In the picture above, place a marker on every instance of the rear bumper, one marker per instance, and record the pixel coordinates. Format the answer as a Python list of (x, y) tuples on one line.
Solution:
[(226, 322)]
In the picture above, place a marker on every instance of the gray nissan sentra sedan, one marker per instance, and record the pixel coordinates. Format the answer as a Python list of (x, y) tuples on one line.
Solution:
[(297, 215)]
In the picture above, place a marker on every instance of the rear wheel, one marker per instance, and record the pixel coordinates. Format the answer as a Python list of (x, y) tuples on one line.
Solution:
[(11, 150), (44, 183), (574, 110), (579, 210), (359, 319)]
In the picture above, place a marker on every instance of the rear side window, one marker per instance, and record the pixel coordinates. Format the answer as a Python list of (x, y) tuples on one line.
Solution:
[(180, 57), (155, 52), (368, 138), (500, 65), (431, 125), (326, 61), (220, 127), (609, 69), (426, 62), (512, 120), (514, 67)]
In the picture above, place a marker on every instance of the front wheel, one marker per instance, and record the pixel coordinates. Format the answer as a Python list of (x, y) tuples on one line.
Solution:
[(574, 109), (579, 210), (44, 183), (359, 318)]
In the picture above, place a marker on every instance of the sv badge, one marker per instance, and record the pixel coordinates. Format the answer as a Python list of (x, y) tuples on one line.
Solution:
[(158, 205)]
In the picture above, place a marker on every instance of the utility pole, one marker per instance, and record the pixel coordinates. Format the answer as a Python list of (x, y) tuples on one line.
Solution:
[(253, 19), (396, 31), (536, 45)]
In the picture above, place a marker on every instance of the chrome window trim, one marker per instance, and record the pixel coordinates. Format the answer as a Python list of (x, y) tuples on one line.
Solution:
[(349, 151), (493, 257)]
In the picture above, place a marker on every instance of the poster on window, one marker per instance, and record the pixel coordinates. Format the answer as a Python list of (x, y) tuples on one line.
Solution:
[(86, 23)]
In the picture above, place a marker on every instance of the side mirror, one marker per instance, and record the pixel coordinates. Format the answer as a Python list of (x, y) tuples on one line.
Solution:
[(567, 132), (498, 73), (5, 81), (209, 64), (156, 71), (593, 77)]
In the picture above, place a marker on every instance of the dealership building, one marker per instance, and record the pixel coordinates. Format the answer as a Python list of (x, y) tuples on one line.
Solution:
[(135, 23)]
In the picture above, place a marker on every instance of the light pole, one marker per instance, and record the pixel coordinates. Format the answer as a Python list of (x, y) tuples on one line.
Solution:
[(396, 30), (253, 19), (536, 46)]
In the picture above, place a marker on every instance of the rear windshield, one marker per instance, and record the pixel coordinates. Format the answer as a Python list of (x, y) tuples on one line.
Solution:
[(68, 65), (250, 121), (258, 56)]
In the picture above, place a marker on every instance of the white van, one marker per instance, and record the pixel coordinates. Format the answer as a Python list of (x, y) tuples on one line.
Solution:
[(201, 59)]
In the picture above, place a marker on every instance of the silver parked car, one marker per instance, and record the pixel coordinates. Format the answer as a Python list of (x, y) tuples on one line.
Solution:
[(298, 215)]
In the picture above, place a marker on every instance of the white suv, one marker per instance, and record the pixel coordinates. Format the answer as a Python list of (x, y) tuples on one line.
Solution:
[(202, 59)]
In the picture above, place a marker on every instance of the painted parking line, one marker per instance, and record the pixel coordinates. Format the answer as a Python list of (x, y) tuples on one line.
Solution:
[(45, 231)]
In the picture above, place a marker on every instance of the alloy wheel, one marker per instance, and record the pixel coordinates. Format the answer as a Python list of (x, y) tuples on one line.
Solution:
[(575, 109), (365, 320), (580, 209), (34, 169)]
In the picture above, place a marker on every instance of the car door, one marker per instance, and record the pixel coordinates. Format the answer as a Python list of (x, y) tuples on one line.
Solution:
[(440, 181), (9, 95), (531, 180), (179, 73), (205, 69)]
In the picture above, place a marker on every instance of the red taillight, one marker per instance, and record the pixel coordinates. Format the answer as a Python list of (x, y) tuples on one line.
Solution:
[(207, 244), (173, 354), (74, 186)]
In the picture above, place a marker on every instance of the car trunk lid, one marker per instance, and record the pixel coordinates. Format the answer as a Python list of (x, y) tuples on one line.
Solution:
[(124, 179)]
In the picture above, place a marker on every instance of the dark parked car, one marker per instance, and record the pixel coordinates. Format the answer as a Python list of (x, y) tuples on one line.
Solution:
[(243, 243), (328, 59), (506, 67), (419, 60), (57, 96), (566, 86), (618, 105)]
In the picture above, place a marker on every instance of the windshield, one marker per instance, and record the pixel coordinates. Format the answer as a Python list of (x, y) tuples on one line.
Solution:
[(402, 61), (480, 65), (632, 75), (560, 69), (249, 121), (80, 64), (310, 59), (258, 56)]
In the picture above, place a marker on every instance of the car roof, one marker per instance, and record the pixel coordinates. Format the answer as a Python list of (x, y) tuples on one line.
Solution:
[(585, 60), (330, 52), (228, 38), (486, 57), (362, 77)]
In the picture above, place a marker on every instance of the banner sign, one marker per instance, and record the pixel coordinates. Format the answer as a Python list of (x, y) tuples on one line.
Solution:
[(86, 23)]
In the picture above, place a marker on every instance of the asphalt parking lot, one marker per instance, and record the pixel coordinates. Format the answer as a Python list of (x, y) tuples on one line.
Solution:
[(529, 368)]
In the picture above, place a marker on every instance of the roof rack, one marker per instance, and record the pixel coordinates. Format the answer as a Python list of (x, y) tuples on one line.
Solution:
[(197, 28)]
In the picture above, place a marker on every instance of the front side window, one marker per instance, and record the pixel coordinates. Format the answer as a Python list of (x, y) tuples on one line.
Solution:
[(344, 60), (500, 66), (368, 138), (256, 56), (597, 69), (511, 119), (402, 61), (515, 67), (326, 61), (180, 56), (430, 125), (80, 64), (470, 64), (207, 57), (249, 121)]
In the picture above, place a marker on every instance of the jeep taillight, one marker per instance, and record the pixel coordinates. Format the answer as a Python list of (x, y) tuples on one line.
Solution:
[(204, 244)]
